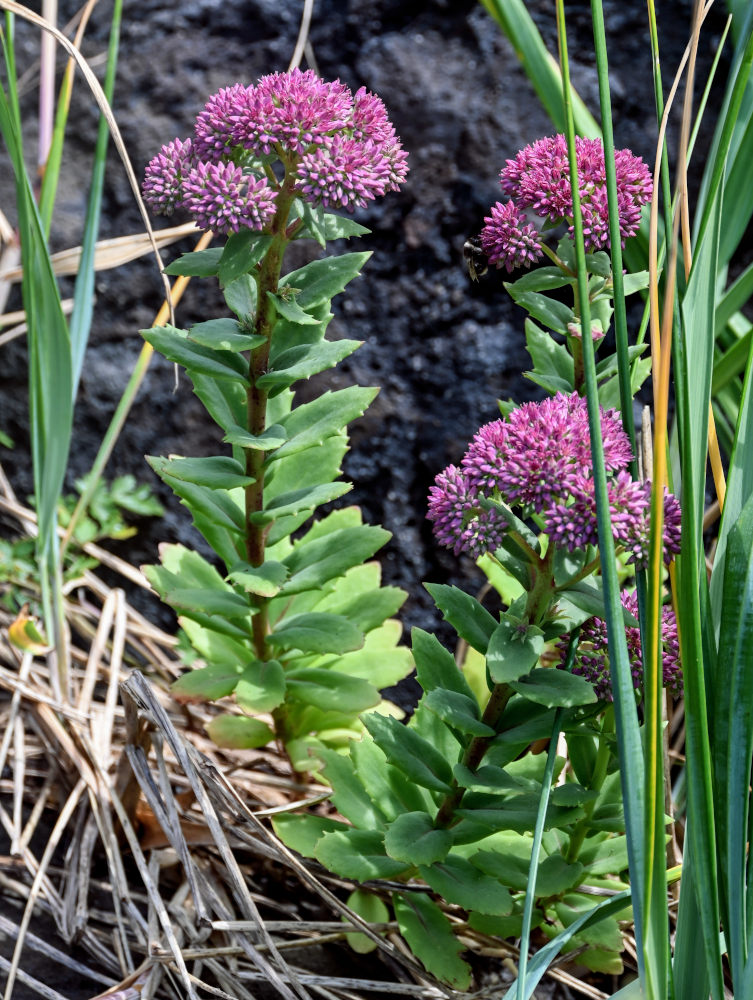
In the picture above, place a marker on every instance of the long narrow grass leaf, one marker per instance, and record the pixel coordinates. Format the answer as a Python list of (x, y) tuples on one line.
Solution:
[(525, 989), (539, 65), (733, 732), (695, 377), (83, 297), (628, 734)]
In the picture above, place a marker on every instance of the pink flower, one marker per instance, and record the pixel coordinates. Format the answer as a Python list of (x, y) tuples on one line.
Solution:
[(539, 460), (592, 656), (508, 240), (165, 174), (214, 132), (539, 178), (341, 150), (221, 197), (459, 522)]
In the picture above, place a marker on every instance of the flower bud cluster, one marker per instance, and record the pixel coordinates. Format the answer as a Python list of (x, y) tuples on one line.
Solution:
[(538, 460), (337, 149), (592, 655), (538, 179)]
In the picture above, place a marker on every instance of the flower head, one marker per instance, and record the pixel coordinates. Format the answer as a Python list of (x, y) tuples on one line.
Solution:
[(592, 655), (459, 522), (215, 128), (539, 178), (165, 175), (539, 461), (507, 239), (221, 197), (335, 149)]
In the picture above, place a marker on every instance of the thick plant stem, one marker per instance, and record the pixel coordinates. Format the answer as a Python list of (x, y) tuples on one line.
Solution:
[(539, 601), (268, 279)]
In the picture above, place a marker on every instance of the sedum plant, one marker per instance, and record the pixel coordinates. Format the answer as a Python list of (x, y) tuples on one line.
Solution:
[(290, 618), (537, 181), (448, 804)]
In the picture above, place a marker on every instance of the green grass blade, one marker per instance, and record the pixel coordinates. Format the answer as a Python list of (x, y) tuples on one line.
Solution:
[(615, 239), (739, 490), (526, 986), (628, 733), (731, 141), (83, 297), (694, 376), (539, 65), (690, 968), (50, 372), (733, 732), (546, 955)]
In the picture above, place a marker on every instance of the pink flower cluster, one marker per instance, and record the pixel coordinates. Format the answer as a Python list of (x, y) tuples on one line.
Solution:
[(538, 179), (340, 149), (592, 656), (539, 460)]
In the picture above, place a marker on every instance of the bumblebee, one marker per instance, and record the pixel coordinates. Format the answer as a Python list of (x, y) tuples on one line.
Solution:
[(475, 259)]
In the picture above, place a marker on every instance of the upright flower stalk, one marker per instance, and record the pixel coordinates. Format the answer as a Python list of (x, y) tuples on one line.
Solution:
[(276, 629)]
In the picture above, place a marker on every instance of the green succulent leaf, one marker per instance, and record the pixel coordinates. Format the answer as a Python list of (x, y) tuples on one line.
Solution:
[(459, 882), (321, 280), (218, 680), (513, 651), (198, 264), (213, 601), (388, 788), (429, 935), (265, 580), (470, 619), (215, 648), (215, 473), (321, 467), (555, 688), (332, 690), (550, 359), (175, 346), (635, 282), (271, 438), (542, 279), (358, 854), (556, 315), (285, 305), (554, 875), (371, 909), (349, 796), (262, 686), (224, 401), (303, 362), (412, 837), (604, 855), (314, 563), (458, 710), (237, 732), (241, 253), (310, 424), (411, 753), (299, 500), (381, 661), (436, 667), (240, 295), (225, 334), (486, 778), (316, 632), (339, 227), (302, 832)]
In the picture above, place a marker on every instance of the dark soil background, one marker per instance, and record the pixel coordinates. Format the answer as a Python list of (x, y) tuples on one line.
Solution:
[(442, 348)]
